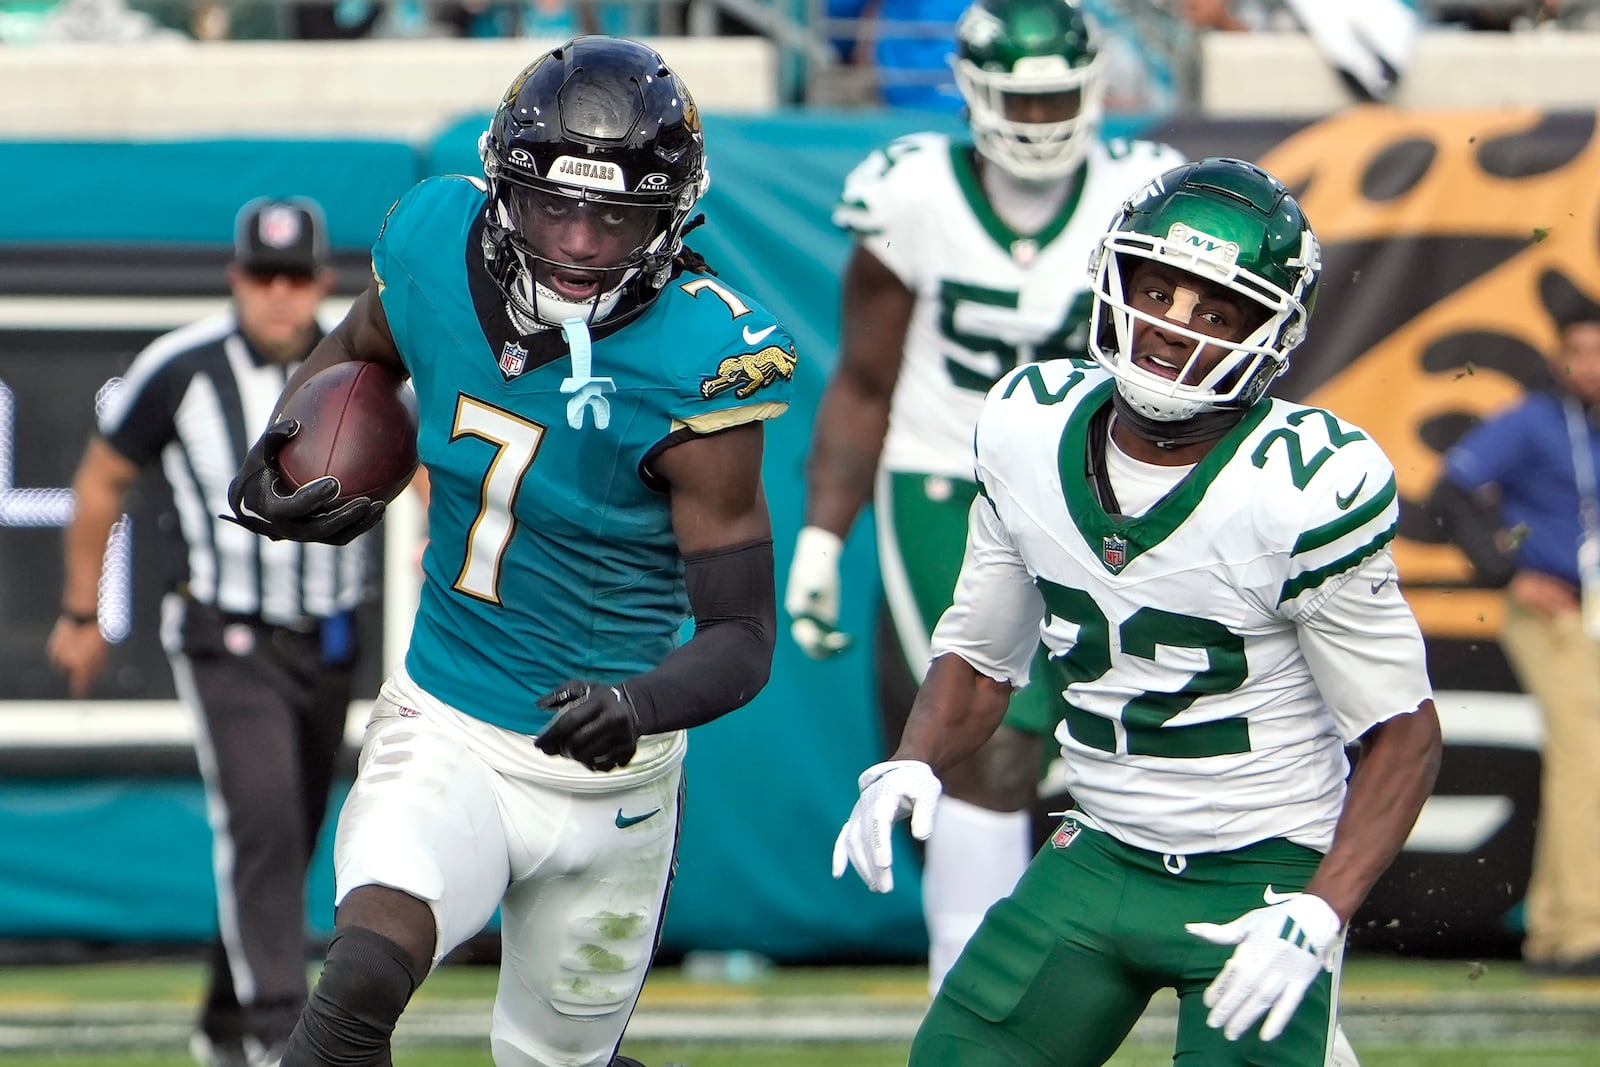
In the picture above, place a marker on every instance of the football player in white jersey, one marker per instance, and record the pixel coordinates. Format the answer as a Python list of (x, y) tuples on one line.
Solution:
[(968, 261), (1210, 569)]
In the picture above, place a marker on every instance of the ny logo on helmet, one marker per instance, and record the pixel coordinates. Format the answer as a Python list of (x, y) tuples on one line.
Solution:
[(1207, 246)]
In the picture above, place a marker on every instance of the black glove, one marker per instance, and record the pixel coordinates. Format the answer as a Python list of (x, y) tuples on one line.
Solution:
[(261, 504), (594, 724)]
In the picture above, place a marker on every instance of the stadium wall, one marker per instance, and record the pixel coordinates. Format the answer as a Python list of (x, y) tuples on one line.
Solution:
[(1451, 238)]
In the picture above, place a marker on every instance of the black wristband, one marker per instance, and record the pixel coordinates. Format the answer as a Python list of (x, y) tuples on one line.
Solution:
[(78, 618)]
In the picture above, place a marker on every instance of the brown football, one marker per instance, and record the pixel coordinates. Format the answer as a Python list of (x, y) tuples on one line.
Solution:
[(358, 423)]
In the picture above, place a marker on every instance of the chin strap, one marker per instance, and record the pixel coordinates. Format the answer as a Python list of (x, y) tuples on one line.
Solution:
[(1206, 426)]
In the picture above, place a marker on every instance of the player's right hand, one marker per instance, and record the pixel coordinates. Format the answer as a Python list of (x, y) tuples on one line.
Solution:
[(812, 598), (79, 652), (889, 792), (263, 503)]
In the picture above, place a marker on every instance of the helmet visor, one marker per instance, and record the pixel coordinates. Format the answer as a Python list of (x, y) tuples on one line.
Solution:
[(580, 231)]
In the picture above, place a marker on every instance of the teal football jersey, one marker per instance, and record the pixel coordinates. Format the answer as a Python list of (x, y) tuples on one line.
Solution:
[(551, 552)]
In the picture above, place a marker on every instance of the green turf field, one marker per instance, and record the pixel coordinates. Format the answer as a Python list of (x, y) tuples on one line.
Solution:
[(1383, 998)]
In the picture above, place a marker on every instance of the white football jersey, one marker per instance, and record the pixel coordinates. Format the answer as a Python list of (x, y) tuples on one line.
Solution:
[(1194, 722), (987, 298)]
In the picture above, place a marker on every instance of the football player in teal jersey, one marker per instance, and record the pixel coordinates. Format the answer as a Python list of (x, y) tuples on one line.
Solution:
[(590, 400), (1210, 570)]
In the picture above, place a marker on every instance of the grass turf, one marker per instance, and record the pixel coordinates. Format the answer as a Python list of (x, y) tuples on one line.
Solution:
[(25, 990)]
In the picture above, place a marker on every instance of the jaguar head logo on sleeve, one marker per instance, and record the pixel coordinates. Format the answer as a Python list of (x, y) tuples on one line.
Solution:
[(749, 371)]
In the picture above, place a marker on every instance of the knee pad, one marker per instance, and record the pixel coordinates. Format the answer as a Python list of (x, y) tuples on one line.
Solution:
[(351, 1014)]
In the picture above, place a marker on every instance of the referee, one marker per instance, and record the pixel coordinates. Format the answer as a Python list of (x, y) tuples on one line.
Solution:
[(260, 634)]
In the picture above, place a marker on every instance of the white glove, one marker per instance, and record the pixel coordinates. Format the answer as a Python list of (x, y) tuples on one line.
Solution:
[(1281, 949), (812, 599), (888, 792)]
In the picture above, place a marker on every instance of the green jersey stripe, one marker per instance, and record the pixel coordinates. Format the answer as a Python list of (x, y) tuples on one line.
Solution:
[(1347, 524), (1311, 579)]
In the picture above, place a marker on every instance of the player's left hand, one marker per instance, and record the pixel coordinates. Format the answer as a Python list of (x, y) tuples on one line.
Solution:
[(1281, 949), (594, 724), (263, 503), (889, 792), (812, 597)]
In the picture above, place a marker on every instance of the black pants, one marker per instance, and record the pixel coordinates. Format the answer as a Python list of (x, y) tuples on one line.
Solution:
[(270, 717)]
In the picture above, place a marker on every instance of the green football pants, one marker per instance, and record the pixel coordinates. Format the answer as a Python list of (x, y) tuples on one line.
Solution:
[(1059, 972)]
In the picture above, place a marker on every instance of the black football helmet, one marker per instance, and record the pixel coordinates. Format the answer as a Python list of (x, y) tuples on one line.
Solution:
[(602, 121)]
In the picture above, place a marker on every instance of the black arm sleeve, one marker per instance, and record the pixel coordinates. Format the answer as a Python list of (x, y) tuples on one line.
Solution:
[(1471, 525), (733, 594)]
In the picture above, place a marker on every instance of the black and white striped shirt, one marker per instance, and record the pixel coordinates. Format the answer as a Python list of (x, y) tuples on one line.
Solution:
[(196, 399)]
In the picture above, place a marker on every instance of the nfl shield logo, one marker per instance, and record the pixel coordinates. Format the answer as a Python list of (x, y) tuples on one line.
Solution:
[(1064, 834), (280, 227), (513, 357), (1115, 551)]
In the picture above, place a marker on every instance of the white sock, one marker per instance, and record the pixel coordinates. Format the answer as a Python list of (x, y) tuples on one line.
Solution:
[(974, 857)]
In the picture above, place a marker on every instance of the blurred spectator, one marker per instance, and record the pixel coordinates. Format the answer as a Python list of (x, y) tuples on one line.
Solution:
[(907, 42), (1518, 496)]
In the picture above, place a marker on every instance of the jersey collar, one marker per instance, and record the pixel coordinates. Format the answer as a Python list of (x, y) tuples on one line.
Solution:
[(1118, 540), (962, 163)]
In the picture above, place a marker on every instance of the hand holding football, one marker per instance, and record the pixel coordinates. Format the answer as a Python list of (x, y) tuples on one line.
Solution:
[(358, 423)]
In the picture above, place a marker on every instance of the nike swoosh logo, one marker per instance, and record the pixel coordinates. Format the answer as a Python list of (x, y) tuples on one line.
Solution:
[(758, 336), (1380, 583), (1277, 898), (1344, 501), (625, 821)]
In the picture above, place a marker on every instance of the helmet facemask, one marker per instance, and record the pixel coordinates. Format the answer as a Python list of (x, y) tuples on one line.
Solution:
[(1034, 151), (1239, 378), (1237, 235), (545, 282)]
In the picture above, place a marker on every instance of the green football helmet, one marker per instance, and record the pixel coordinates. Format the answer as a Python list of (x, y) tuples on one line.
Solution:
[(1034, 84), (1231, 223)]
